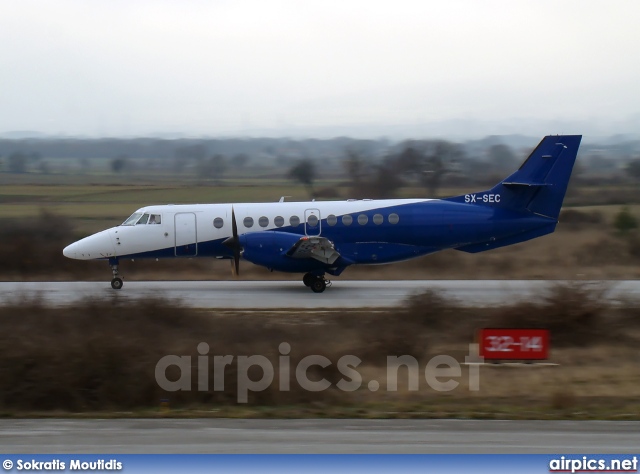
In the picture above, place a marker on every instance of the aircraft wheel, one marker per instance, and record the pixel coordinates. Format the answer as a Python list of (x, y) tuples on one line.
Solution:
[(308, 279), (116, 283), (318, 285)]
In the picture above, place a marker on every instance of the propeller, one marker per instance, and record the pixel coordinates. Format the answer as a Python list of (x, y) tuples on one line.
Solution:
[(234, 244)]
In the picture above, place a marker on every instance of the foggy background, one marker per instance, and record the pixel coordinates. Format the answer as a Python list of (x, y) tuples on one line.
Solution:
[(366, 69)]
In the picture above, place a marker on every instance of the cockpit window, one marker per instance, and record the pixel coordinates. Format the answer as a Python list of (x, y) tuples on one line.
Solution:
[(139, 218), (133, 219)]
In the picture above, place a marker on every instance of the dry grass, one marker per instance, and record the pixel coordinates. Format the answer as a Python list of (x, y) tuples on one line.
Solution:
[(100, 356), (574, 314)]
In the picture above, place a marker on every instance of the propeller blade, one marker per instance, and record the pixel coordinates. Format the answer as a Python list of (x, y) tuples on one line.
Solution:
[(234, 244), (234, 226)]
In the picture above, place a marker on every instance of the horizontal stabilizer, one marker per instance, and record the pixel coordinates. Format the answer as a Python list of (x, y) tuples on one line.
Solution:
[(511, 183)]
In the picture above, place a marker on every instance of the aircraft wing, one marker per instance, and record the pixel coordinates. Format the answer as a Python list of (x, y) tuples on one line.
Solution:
[(320, 248)]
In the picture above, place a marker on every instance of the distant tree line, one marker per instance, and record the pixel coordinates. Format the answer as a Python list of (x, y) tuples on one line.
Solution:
[(366, 168), (168, 149), (423, 163)]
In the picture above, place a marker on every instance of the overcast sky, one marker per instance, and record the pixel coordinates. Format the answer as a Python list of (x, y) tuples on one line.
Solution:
[(127, 67)]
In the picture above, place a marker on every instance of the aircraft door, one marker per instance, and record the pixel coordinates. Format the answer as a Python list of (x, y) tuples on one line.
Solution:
[(186, 235), (312, 222)]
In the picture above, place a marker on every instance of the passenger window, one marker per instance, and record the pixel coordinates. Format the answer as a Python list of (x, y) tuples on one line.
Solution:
[(393, 218), (312, 220), (143, 220), (294, 221), (248, 222), (332, 220), (347, 219), (218, 223), (363, 219), (155, 219), (378, 219), (279, 221), (263, 221)]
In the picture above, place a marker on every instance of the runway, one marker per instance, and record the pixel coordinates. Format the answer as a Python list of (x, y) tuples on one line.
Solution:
[(316, 436), (290, 294)]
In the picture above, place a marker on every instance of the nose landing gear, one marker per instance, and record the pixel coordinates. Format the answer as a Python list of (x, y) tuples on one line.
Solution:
[(116, 282)]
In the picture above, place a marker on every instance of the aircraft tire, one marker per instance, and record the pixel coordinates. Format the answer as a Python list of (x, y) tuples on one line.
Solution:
[(308, 278), (116, 283), (318, 285)]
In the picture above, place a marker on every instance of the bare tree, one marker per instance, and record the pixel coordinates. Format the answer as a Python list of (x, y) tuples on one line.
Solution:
[(240, 161), (304, 171), (429, 162), (633, 169), (119, 164), (18, 163), (372, 180), (356, 168), (501, 158), (215, 167)]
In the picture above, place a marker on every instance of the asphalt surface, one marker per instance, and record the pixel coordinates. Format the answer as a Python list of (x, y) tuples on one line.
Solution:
[(290, 294), (316, 436)]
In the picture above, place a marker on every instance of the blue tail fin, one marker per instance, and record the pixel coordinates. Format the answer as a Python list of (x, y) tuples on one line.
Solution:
[(540, 183)]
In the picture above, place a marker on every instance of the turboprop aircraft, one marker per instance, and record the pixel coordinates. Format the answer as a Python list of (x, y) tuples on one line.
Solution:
[(325, 237)]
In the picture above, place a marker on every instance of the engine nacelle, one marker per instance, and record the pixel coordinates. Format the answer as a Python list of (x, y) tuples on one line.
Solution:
[(269, 249)]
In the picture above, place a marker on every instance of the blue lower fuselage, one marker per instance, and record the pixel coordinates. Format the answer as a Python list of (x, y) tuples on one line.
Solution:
[(422, 227)]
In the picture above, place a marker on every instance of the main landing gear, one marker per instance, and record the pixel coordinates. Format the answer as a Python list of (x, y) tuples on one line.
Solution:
[(116, 282), (317, 283)]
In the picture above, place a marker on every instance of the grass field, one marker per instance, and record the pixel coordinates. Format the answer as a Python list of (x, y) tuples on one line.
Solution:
[(95, 207), (100, 203)]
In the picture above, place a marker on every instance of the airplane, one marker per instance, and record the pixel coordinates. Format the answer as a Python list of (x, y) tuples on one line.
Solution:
[(326, 237)]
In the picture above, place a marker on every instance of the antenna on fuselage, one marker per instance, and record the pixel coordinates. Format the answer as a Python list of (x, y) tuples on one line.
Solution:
[(282, 198)]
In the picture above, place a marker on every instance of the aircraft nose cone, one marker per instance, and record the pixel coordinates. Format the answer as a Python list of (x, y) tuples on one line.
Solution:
[(70, 251), (95, 246)]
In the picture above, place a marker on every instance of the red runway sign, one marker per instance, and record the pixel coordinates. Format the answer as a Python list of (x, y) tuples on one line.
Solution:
[(514, 344)]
